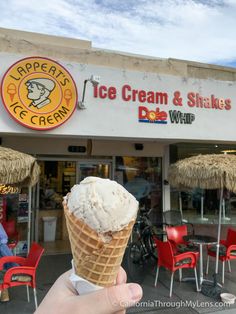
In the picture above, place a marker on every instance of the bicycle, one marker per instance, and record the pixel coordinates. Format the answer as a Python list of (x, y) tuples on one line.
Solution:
[(142, 249)]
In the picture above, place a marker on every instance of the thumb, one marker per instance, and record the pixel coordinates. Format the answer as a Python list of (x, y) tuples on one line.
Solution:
[(111, 300)]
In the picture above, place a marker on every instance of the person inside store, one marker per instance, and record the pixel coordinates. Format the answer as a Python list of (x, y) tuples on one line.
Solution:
[(63, 298), (196, 199), (5, 251)]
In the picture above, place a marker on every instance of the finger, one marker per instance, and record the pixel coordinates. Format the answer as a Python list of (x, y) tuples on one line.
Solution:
[(109, 300), (64, 285), (121, 312), (121, 277)]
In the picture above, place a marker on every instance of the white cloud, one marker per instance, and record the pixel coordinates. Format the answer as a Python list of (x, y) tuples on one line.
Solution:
[(184, 29)]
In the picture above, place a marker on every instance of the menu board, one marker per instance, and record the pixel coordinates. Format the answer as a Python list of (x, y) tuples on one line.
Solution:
[(2, 208), (23, 208)]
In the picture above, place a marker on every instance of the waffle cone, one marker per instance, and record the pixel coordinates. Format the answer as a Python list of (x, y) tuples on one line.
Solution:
[(97, 258)]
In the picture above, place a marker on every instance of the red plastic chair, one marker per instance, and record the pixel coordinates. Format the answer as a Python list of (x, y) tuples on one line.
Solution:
[(15, 276), (13, 235), (227, 251), (167, 259), (175, 236)]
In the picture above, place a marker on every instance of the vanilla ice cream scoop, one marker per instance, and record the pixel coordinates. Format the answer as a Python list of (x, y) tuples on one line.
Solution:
[(103, 204)]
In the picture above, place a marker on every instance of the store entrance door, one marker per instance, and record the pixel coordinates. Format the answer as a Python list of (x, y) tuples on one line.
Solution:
[(95, 168)]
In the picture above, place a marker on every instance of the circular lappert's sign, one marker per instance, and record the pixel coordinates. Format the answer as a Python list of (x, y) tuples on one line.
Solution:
[(39, 93)]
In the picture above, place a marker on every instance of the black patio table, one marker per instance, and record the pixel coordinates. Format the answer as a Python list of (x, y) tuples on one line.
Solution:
[(200, 240)]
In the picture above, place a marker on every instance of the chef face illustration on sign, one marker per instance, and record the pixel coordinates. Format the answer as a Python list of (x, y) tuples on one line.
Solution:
[(39, 90)]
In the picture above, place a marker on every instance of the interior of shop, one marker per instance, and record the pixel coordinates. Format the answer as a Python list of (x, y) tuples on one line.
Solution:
[(141, 176)]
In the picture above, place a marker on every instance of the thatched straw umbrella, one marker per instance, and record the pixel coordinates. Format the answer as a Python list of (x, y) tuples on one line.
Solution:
[(18, 170), (215, 171)]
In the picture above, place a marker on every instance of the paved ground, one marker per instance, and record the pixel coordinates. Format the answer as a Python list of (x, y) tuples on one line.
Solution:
[(184, 300), (49, 269)]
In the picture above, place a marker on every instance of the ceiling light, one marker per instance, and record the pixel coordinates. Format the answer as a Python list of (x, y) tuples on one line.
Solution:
[(229, 151)]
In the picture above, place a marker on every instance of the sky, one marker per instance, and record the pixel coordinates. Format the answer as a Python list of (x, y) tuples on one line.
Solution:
[(196, 30)]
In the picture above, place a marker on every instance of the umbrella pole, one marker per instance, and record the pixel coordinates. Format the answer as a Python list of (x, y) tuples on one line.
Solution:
[(223, 205), (219, 232), (202, 208), (29, 219), (36, 236), (214, 289), (224, 217), (180, 206)]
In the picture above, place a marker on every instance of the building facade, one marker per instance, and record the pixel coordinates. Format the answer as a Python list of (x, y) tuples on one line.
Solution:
[(85, 111)]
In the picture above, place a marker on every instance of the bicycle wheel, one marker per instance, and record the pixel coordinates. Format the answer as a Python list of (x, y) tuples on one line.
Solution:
[(149, 243), (136, 262), (151, 246)]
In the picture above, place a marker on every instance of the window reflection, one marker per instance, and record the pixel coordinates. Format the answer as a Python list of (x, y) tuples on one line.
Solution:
[(192, 205), (56, 179), (101, 170), (142, 177)]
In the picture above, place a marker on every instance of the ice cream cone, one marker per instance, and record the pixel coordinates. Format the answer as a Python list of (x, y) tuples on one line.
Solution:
[(96, 257)]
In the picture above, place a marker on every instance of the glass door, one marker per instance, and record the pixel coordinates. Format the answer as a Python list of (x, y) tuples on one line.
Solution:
[(95, 168)]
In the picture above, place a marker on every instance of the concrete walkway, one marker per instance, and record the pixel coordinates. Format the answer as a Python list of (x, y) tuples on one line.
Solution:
[(184, 300)]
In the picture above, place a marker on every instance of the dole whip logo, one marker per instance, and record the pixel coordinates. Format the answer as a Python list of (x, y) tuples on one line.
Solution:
[(39, 93)]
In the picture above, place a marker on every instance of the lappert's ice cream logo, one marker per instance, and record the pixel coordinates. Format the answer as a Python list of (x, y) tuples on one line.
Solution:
[(39, 93)]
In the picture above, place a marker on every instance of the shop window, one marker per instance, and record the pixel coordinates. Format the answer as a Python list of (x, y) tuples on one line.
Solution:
[(17, 205), (12, 205), (95, 169), (14, 209), (142, 177), (195, 201), (56, 180)]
